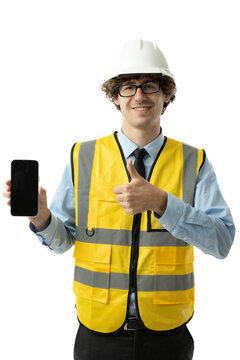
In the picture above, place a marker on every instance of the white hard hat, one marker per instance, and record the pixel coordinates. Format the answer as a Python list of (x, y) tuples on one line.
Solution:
[(139, 57)]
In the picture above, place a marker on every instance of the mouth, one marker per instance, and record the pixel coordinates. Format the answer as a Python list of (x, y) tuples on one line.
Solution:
[(141, 108)]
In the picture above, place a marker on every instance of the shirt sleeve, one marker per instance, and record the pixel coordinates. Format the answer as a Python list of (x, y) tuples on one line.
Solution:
[(208, 225), (60, 234)]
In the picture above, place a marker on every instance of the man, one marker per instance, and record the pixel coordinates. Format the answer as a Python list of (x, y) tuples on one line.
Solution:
[(134, 204)]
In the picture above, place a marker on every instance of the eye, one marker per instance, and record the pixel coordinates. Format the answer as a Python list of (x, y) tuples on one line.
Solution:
[(128, 87), (150, 86)]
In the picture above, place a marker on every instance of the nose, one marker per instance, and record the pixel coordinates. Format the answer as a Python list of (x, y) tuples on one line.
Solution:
[(139, 94)]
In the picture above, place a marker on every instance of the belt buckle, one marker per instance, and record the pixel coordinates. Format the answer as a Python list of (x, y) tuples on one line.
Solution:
[(126, 327), (130, 321)]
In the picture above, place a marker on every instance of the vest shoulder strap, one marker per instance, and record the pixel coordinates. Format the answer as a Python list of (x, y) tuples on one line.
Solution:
[(71, 162), (88, 146), (189, 151), (87, 149)]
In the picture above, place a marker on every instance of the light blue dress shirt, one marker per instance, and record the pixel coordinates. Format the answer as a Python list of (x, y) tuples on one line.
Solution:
[(208, 225)]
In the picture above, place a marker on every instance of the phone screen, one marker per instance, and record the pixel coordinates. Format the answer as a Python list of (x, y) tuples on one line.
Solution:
[(24, 187)]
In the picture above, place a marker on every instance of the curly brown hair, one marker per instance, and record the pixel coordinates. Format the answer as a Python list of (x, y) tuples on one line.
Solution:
[(168, 86)]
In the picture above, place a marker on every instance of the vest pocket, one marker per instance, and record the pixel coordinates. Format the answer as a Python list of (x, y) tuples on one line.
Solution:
[(92, 271), (173, 297), (173, 275), (152, 223), (109, 213)]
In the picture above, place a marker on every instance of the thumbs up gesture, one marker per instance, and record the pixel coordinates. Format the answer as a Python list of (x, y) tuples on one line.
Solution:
[(140, 195), (133, 172)]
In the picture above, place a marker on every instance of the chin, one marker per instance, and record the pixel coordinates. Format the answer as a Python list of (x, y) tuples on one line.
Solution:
[(142, 123)]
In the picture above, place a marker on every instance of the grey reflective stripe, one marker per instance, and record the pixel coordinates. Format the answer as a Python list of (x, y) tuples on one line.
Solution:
[(144, 282), (160, 238), (100, 279), (105, 236), (165, 282), (85, 164), (190, 160), (124, 237)]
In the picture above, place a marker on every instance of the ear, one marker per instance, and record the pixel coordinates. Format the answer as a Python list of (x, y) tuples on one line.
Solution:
[(167, 99), (115, 99)]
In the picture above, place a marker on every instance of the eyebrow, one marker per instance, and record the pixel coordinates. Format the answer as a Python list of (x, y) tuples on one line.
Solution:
[(132, 81)]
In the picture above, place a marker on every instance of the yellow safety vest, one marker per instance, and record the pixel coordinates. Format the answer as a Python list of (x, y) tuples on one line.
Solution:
[(164, 274)]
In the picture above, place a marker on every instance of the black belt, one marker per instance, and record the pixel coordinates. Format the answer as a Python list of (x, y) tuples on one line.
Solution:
[(133, 324)]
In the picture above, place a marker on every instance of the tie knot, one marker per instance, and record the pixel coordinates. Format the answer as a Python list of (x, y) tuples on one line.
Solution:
[(139, 153)]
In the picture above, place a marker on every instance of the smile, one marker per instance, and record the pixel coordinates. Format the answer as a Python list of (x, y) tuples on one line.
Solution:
[(142, 108)]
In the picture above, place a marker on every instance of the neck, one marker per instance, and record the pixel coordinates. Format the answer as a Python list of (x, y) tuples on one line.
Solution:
[(141, 136)]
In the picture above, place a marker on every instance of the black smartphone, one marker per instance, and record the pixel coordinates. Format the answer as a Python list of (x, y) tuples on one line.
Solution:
[(24, 187)]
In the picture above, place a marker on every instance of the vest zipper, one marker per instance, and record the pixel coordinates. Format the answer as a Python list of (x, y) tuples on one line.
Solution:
[(134, 260)]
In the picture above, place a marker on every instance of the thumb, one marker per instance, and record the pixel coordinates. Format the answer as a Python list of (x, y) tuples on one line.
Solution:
[(42, 191), (132, 171)]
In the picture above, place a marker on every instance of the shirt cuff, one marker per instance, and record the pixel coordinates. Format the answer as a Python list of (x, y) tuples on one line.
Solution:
[(172, 214), (47, 234)]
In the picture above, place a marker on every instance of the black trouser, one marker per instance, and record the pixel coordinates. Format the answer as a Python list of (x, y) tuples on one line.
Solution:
[(134, 345)]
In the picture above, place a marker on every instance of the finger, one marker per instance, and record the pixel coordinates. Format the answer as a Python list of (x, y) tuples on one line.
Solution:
[(119, 189), (7, 194), (7, 186), (7, 191), (132, 171), (124, 205), (42, 191), (119, 197), (42, 197)]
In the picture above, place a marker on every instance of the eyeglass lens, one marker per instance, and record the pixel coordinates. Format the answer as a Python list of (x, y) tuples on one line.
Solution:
[(147, 88)]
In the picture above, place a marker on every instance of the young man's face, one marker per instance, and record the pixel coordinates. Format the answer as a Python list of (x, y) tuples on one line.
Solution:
[(141, 110)]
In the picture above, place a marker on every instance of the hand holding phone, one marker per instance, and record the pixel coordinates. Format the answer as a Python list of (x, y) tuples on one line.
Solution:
[(42, 220)]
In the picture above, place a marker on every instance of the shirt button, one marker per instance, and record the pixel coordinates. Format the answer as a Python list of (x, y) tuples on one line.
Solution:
[(185, 239), (164, 225), (46, 234)]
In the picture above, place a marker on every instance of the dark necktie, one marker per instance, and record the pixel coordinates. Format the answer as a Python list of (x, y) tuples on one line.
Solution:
[(139, 164)]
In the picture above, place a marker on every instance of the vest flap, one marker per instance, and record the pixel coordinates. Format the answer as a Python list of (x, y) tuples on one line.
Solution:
[(171, 255), (90, 252), (105, 193)]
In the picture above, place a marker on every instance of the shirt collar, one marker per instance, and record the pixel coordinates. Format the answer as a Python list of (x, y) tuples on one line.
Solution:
[(129, 146)]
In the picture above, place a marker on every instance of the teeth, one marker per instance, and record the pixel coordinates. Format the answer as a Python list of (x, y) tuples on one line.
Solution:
[(141, 108)]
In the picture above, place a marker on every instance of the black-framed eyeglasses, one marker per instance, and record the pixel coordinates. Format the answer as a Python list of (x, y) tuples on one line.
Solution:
[(128, 90)]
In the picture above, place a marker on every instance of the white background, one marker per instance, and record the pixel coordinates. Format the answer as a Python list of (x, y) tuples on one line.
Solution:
[(54, 55)]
